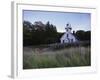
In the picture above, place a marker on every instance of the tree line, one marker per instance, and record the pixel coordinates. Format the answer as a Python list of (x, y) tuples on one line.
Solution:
[(39, 33)]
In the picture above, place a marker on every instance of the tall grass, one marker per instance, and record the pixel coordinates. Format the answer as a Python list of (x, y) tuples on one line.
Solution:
[(67, 57)]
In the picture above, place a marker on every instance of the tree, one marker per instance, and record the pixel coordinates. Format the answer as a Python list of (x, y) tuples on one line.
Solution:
[(51, 33), (88, 35), (80, 34), (27, 36), (83, 35)]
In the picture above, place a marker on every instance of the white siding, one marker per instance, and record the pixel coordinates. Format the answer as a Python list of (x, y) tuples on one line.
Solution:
[(68, 39)]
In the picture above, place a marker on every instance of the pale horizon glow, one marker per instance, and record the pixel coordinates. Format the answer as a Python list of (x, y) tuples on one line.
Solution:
[(78, 21)]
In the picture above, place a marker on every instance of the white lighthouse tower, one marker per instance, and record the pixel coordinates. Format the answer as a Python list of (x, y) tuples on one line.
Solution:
[(68, 37), (68, 28)]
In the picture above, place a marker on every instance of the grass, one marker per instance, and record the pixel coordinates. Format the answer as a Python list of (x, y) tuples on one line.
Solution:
[(67, 57)]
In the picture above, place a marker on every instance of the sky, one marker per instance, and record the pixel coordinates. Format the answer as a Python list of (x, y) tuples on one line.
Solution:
[(78, 21)]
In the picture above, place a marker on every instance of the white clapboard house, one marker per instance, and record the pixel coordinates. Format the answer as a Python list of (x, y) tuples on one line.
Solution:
[(68, 37)]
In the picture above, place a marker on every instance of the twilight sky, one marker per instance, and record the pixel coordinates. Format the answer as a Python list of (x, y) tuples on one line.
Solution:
[(78, 21)]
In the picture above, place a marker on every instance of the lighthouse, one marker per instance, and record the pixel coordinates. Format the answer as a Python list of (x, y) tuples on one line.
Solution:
[(68, 37)]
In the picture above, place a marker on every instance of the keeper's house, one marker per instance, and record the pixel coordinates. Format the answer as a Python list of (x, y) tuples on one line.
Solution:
[(68, 37)]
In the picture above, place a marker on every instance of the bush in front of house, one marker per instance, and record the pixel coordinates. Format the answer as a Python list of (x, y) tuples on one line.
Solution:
[(58, 46)]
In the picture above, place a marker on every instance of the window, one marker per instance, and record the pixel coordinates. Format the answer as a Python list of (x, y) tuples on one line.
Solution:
[(67, 24), (66, 29), (63, 41), (67, 35), (71, 40)]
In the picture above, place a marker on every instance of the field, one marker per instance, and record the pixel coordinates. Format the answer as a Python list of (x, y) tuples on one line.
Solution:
[(44, 57)]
